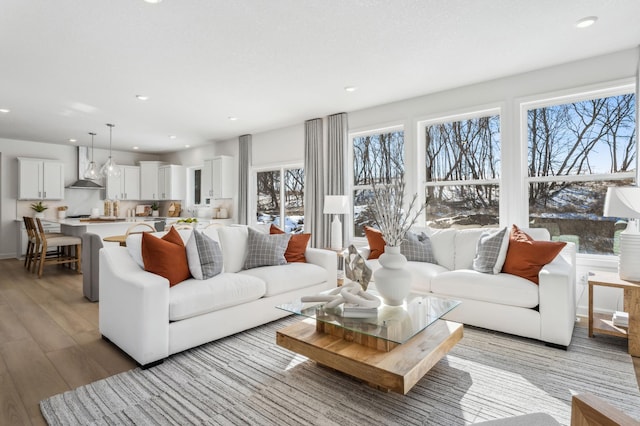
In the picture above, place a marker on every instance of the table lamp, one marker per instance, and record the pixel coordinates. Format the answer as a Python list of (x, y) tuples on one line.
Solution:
[(624, 203), (336, 205)]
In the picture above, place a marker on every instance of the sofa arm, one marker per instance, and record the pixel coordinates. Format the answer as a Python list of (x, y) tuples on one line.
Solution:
[(557, 301), (134, 307), (327, 259)]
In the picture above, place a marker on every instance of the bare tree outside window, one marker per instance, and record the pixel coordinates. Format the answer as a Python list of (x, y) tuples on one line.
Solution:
[(281, 192), (575, 151), (377, 158), (462, 169)]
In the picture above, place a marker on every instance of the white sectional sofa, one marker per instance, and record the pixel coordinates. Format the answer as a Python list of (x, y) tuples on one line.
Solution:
[(149, 320), (500, 302)]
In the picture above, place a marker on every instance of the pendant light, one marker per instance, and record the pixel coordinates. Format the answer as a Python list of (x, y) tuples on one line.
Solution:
[(92, 171), (110, 168)]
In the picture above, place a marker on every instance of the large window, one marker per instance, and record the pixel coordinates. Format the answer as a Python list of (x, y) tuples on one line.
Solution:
[(280, 193), (462, 171), (575, 151), (378, 157)]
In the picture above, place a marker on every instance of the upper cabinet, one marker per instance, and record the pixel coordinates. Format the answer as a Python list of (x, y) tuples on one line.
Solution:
[(40, 179), (149, 180), (171, 182), (126, 186), (217, 179)]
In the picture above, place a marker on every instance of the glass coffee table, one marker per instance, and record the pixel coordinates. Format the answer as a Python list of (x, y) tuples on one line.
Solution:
[(390, 351)]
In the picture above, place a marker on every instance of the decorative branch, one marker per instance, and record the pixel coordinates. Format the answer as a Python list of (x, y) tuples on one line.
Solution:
[(387, 208)]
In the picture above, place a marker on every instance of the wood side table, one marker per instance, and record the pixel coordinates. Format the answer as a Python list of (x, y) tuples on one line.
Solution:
[(631, 305)]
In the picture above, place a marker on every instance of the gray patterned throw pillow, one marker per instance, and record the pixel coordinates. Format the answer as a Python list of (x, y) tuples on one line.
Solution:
[(491, 251), (204, 256), (265, 249), (417, 248)]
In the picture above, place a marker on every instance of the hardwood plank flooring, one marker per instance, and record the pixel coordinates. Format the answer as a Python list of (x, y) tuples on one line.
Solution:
[(50, 341)]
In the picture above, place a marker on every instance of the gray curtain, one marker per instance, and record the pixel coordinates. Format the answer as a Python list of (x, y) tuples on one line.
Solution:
[(336, 163), (244, 162), (314, 182)]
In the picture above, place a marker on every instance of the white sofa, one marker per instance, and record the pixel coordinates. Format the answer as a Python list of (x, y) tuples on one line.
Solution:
[(149, 320), (500, 302)]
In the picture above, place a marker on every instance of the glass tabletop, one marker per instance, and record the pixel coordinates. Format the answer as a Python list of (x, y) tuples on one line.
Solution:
[(394, 323)]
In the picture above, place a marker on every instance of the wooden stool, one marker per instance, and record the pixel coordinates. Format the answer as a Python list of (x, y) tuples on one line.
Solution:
[(60, 241)]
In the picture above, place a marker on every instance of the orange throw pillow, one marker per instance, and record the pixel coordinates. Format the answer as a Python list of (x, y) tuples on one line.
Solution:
[(296, 247), (166, 256), (526, 257), (376, 242)]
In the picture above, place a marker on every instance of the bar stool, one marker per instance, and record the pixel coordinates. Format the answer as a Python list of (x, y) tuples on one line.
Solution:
[(61, 242), (32, 238)]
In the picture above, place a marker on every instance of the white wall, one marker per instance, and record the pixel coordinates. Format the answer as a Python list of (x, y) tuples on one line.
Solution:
[(79, 201)]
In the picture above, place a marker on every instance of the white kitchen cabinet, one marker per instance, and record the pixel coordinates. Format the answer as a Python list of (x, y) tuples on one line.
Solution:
[(126, 186), (217, 179), (149, 180), (171, 182), (40, 179)]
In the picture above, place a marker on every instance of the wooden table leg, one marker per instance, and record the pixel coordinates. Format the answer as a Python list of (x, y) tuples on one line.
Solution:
[(590, 310), (632, 301)]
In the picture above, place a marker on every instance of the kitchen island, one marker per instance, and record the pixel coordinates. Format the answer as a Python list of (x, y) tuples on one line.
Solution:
[(104, 228)]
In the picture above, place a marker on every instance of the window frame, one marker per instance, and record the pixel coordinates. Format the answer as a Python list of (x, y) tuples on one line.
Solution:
[(253, 198), (351, 187), (578, 94)]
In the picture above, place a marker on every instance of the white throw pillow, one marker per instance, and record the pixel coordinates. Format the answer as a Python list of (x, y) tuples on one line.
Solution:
[(233, 240)]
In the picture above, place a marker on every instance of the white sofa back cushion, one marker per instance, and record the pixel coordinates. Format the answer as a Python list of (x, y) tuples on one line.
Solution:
[(134, 243), (233, 240)]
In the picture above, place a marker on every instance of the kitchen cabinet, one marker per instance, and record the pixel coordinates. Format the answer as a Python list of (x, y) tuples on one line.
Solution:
[(149, 180), (40, 179), (217, 179), (171, 182), (126, 186)]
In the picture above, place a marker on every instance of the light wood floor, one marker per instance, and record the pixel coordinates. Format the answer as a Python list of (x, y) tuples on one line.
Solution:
[(50, 343), (49, 340)]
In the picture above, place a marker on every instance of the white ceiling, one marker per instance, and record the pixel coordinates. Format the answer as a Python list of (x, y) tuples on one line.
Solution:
[(67, 67)]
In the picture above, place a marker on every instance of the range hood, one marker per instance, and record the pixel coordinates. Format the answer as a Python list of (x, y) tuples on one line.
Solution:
[(82, 165)]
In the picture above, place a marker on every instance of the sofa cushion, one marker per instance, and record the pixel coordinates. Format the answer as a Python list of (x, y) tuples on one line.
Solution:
[(204, 256), (504, 289), (526, 257), (421, 275), (265, 249), (192, 297), (442, 242), (417, 248), (233, 240), (166, 256), (284, 278), (491, 251), (296, 247), (466, 242), (134, 243), (376, 242)]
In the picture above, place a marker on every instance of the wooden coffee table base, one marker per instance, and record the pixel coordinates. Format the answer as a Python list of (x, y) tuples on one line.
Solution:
[(397, 369)]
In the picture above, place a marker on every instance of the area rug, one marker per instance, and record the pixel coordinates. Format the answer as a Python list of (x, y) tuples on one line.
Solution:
[(248, 379)]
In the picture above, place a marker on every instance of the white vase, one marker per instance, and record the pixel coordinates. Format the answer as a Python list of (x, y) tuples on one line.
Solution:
[(393, 281), (38, 215), (155, 213)]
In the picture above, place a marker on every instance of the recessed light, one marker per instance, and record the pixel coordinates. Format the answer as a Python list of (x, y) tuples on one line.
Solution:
[(73, 140), (586, 22), (187, 146), (232, 118), (172, 136), (136, 148), (350, 89), (153, 1), (142, 97), (5, 111)]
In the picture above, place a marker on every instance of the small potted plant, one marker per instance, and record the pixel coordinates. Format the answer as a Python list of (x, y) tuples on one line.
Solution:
[(154, 209), (39, 209)]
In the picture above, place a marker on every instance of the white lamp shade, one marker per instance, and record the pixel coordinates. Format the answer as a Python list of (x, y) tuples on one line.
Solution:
[(623, 202), (336, 204)]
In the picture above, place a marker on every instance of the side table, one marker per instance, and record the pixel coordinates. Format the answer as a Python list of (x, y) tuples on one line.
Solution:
[(631, 305)]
